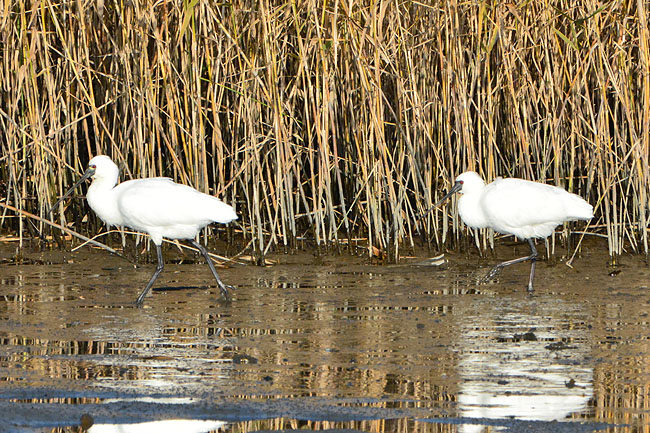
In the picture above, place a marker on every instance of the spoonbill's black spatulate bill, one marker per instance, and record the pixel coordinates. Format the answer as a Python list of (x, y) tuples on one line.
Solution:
[(518, 207), (157, 206)]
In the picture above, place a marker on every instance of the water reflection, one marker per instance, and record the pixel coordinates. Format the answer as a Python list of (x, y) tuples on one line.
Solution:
[(424, 343), (167, 426), (524, 358)]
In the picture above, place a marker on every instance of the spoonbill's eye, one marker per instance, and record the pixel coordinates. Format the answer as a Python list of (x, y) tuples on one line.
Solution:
[(93, 166), (461, 182)]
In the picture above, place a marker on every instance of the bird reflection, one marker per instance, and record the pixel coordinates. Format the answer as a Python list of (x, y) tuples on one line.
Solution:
[(525, 362)]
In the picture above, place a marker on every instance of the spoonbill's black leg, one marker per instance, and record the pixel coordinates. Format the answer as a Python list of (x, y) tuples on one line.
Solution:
[(159, 268), (224, 287), (533, 258)]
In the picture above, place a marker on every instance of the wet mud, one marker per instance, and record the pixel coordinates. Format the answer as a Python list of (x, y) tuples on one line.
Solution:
[(324, 343)]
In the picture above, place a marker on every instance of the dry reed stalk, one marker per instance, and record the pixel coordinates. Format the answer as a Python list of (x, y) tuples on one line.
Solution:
[(331, 121)]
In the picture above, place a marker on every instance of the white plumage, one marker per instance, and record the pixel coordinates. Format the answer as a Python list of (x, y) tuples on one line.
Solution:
[(156, 206), (516, 206)]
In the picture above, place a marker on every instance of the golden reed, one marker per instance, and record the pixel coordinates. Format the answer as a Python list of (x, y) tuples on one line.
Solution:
[(329, 123)]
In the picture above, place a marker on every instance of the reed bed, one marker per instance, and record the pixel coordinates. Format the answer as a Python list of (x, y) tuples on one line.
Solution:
[(329, 124)]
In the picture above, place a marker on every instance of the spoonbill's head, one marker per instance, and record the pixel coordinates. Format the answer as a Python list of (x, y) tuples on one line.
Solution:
[(100, 169), (466, 183)]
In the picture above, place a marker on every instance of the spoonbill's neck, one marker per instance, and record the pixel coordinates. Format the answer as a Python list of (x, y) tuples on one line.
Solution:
[(101, 199), (103, 183), (469, 208)]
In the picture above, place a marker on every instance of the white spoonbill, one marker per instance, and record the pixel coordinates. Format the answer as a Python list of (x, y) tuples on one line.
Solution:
[(157, 206), (518, 207)]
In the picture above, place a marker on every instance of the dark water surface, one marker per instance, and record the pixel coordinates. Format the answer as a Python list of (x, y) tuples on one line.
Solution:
[(324, 344)]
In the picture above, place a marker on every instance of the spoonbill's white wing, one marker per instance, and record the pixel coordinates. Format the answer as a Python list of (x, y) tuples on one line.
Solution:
[(159, 205), (530, 209)]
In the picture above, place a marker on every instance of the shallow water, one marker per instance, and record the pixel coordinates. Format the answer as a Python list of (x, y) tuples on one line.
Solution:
[(325, 343)]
